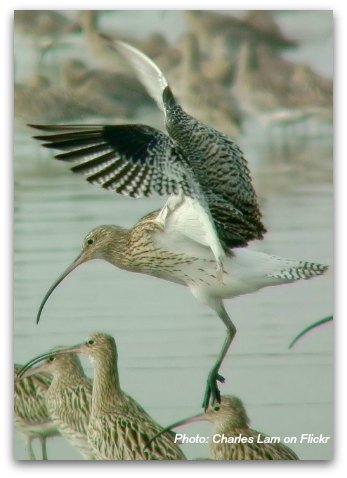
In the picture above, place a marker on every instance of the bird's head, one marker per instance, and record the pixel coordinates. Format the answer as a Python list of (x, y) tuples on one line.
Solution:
[(64, 359), (229, 412), (99, 346), (53, 362), (99, 243)]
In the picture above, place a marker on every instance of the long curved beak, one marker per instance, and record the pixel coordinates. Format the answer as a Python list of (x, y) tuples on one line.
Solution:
[(39, 358), (78, 261), (43, 367), (310, 327), (185, 421)]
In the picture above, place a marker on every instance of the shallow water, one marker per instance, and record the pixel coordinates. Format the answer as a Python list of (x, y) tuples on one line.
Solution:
[(166, 341)]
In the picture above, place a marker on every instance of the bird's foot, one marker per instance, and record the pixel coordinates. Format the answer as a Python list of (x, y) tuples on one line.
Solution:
[(212, 393)]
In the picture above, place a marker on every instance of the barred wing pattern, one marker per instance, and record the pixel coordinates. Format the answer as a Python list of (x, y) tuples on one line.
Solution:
[(225, 171), (234, 226), (221, 170), (218, 164), (138, 160), (124, 438), (134, 160)]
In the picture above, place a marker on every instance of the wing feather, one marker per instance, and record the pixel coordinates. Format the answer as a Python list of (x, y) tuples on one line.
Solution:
[(134, 160), (147, 71)]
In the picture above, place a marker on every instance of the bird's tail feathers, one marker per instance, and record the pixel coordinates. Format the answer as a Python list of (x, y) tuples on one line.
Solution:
[(274, 269), (299, 270)]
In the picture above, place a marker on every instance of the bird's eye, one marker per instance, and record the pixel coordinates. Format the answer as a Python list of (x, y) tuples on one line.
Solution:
[(51, 359), (90, 241), (90, 342)]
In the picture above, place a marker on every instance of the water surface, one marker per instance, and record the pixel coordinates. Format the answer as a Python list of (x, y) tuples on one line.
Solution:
[(167, 341)]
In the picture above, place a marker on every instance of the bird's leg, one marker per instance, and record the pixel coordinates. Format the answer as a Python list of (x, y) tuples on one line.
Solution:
[(212, 393), (171, 204), (30, 449), (43, 448)]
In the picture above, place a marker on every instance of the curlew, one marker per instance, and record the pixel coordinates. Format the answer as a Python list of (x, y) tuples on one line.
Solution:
[(232, 438), (276, 91), (198, 239), (205, 98), (118, 426), (68, 398), (258, 27), (170, 255), (193, 160), (31, 417)]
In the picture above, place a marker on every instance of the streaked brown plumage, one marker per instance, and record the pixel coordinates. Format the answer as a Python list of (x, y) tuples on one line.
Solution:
[(68, 399), (119, 427), (171, 255), (230, 419), (31, 417), (230, 431), (198, 239)]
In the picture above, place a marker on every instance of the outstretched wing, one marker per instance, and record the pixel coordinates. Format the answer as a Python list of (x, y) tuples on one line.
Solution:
[(133, 159), (218, 163), (147, 71)]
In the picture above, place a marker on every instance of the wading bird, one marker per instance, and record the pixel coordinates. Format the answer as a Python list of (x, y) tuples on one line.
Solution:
[(232, 437), (119, 427), (31, 417), (68, 398), (198, 238)]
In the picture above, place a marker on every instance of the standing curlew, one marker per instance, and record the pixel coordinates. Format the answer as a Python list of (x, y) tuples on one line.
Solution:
[(68, 398), (232, 438), (210, 217), (170, 255), (118, 427), (31, 417)]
